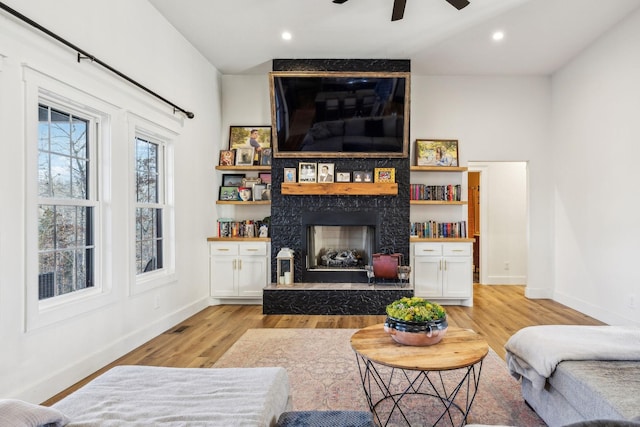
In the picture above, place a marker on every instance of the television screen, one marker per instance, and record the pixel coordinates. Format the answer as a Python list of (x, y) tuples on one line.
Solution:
[(340, 114)]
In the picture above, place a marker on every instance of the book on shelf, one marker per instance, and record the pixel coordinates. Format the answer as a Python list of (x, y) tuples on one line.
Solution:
[(451, 192), (433, 230), (228, 227)]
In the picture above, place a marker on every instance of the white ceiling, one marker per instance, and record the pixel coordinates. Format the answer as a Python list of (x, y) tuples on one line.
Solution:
[(243, 36)]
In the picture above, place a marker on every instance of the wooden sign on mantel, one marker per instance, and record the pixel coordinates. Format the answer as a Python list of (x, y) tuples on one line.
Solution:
[(340, 189)]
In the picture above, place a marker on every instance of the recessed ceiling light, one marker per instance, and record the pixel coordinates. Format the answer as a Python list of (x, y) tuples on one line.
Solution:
[(497, 36), (286, 35)]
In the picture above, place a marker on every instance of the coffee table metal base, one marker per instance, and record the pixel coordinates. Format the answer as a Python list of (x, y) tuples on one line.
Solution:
[(390, 393)]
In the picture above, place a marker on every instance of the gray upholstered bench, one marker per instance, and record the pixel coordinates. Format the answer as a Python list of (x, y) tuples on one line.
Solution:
[(326, 419)]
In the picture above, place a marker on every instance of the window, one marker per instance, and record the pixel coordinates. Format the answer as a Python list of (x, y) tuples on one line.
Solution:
[(150, 199), (67, 202)]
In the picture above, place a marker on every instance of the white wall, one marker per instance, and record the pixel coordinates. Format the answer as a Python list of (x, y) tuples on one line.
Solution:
[(596, 133), (133, 38)]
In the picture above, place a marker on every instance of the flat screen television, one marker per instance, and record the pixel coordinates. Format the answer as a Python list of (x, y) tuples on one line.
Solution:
[(340, 114)]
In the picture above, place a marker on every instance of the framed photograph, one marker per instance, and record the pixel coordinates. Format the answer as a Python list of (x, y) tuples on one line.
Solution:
[(358, 176), (228, 193), (265, 177), (227, 157), (290, 174), (368, 176), (244, 156), (265, 157), (343, 176), (250, 181), (244, 194), (256, 137), (326, 172), (307, 172), (384, 175), (259, 192), (232, 179), (440, 152)]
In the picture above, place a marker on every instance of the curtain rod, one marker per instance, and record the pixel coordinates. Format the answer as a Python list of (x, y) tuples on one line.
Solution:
[(85, 55)]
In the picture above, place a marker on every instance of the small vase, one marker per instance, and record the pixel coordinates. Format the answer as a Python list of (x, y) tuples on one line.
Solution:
[(416, 333)]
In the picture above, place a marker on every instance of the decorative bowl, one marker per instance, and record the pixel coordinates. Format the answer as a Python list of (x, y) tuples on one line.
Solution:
[(416, 321)]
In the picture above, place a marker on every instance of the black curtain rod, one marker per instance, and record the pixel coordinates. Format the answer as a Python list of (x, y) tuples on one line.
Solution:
[(85, 55)]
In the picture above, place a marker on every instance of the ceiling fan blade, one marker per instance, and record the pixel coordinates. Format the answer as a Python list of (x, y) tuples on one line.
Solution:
[(398, 9), (339, 1), (458, 4)]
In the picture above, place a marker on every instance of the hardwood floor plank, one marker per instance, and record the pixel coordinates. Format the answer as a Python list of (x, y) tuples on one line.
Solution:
[(199, 341)]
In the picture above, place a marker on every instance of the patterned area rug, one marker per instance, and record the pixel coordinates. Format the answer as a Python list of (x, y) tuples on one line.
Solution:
[(323, 373)]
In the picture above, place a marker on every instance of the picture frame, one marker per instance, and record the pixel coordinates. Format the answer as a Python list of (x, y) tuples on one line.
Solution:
[(250, 181), (228, 193), (232, 179), (307, 172), (265, 157), (368, 176), (265, 177), (227, 158), (326, 172), (244, 156), (436, 152), (384, 175), (241, 136), (290, 174), (245, 194), (343, 176), (358, 176), (259, 192)]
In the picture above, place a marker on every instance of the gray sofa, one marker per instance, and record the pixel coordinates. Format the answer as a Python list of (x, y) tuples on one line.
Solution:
[(152, 396), (574, 374), (358, 134)]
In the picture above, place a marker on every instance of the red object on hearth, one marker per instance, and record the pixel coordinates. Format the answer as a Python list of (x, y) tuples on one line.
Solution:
[(385, 266)]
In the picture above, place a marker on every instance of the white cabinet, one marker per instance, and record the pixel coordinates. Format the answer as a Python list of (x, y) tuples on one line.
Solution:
[(239, 269), (442, 271)]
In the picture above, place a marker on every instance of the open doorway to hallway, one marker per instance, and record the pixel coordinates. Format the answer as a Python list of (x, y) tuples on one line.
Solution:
[(500, 221)]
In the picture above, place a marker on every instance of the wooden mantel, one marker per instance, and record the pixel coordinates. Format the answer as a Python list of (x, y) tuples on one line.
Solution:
[(340, 189)]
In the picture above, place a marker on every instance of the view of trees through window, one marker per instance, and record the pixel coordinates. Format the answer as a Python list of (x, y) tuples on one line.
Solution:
[(149, 198), (66, 208)]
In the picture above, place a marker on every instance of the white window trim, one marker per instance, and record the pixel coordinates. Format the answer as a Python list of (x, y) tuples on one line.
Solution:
[(40, 88), (147, 130)]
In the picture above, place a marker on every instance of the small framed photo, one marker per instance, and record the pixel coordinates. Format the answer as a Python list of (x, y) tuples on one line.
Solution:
[(244, 194), (440, 152), (343, 176), (325, 172), (256, 137), (250, 181), (358, 176), (244, 156), (368, 176), (232, 179), (307, 172), (258, 192), (384, 175), (290, 174), (227, 157), (228, 193), (265, 177), (265, 157)]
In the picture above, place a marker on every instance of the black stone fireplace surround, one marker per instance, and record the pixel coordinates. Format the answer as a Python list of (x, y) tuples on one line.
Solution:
[(286, 229)]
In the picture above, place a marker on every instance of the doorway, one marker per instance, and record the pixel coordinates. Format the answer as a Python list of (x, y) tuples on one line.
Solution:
[(473, 220)]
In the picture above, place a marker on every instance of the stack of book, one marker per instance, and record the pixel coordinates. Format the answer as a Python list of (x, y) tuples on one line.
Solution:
[(449, 192), (433, 229)]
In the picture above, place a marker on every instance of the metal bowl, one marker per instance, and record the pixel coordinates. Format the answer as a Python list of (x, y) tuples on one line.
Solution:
[(416, 333)]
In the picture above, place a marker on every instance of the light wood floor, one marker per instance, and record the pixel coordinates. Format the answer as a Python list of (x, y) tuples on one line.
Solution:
[(498, 312)]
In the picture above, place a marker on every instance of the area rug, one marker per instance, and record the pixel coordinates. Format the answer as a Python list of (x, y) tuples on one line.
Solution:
[(324, 375)]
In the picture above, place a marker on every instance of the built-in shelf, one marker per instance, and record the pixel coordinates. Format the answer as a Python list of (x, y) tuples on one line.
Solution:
[(438, 168), (340, 189), (243, 168), (240, 202), (440, 239), (238, 239), (438, 202)]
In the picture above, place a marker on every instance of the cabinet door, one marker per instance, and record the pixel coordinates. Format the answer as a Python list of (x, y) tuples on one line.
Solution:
[(427, 276), (252, 276), (222, 276), (457, 281)]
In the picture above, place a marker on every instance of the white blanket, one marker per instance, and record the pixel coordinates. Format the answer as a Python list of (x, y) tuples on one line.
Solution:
[(535, 351)]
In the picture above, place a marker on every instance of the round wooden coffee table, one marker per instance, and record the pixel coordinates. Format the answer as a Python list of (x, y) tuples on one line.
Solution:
[(431, 385)]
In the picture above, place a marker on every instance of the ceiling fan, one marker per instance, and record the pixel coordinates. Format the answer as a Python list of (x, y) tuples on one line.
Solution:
[(398, 6)]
